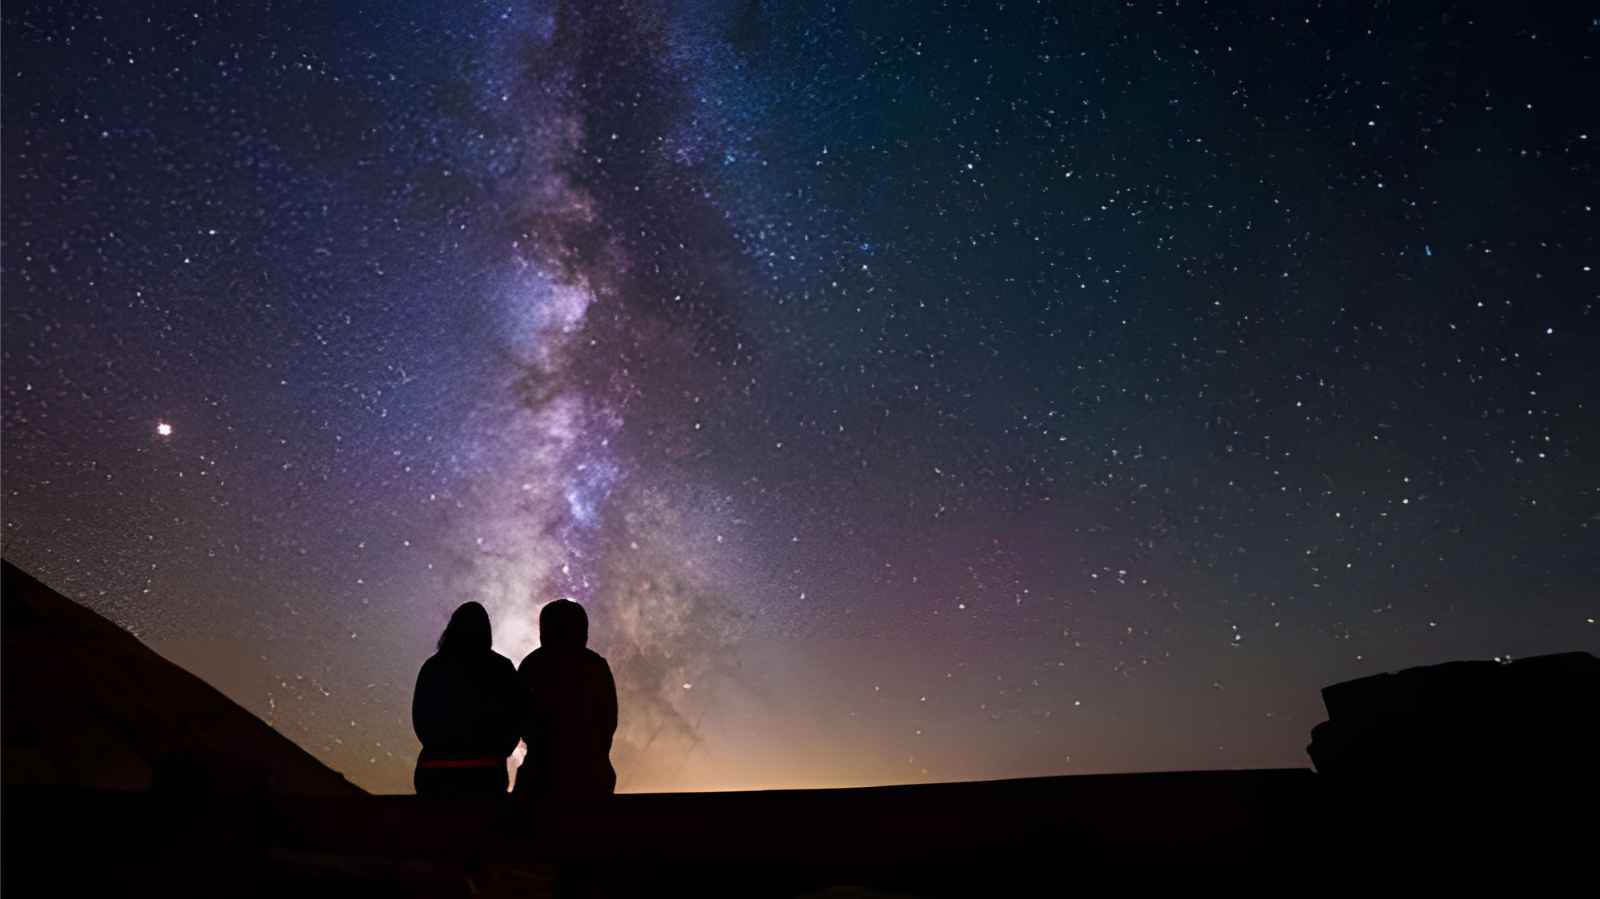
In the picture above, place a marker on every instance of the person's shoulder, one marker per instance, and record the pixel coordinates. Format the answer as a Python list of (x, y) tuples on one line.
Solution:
[(595, 659), (501, 665), (433, 670)]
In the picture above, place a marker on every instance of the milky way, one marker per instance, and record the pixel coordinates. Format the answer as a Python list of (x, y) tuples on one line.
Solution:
[(911, 391), (565, 506)]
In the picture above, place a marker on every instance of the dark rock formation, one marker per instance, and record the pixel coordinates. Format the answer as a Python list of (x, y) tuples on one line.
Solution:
[(1464, 723)]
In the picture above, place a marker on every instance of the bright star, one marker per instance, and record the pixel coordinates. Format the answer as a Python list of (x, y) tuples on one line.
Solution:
[(164, 429)]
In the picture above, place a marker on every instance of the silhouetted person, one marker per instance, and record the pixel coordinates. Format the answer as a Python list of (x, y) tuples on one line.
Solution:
[(466, 711), (572, 711)]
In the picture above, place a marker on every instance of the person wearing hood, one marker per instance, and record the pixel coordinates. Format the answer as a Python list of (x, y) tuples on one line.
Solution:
[(571, 713)]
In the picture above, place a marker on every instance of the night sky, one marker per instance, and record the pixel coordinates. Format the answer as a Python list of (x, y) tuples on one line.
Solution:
[(912, 392)]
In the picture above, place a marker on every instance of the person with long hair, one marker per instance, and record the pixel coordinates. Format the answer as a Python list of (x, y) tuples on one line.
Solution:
[(467, 711)]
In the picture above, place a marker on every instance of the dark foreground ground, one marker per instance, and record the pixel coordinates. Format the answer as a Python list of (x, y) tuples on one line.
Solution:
[(924, 840), (1286, 829)]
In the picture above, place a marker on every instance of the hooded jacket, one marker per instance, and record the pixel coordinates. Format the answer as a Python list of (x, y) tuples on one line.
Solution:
[(571, 711)]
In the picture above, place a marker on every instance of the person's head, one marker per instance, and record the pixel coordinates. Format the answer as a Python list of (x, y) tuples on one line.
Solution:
[(564, 625), (468, 630)]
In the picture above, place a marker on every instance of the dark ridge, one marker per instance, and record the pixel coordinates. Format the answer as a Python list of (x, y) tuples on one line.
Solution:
[(88, 705)]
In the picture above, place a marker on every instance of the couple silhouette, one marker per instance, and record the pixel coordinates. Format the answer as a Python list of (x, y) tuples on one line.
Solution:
[(471, 707)]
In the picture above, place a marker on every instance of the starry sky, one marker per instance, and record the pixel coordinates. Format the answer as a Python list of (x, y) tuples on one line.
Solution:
[(911, 391)]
